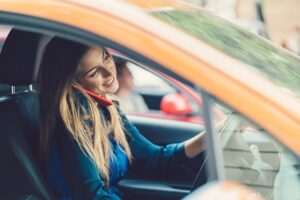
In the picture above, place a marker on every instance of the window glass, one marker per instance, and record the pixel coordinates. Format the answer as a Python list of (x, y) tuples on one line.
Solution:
[(140, 91), (279, 66), (145, 91), (4, 30), (257, 160), (146, 81)]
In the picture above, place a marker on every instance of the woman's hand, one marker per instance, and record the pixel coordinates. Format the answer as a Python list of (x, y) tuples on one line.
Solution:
[(196, 145)]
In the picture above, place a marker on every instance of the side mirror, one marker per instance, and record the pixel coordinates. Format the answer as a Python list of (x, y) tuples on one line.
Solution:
[(175, 104)]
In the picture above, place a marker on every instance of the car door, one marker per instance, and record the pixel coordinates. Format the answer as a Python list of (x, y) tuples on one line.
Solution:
[(162, 132)]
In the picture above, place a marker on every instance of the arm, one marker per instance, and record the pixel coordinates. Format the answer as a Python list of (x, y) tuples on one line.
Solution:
[(195, 145), (159, 160), (80, 173)]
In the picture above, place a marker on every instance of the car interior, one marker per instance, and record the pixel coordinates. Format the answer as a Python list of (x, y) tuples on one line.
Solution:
[(21, 177)]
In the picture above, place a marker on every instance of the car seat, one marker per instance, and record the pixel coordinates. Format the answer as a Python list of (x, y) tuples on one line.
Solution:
[(20, 175)]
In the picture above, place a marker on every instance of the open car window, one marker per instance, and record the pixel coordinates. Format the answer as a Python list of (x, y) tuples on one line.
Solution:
[(145, 91), (253, 158), (141, 86), (145, 81)]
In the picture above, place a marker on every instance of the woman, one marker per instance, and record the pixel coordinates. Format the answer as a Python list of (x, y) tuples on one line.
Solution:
[(87, 143)]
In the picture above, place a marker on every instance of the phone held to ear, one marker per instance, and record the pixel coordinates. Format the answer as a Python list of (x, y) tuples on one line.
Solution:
[(101, 100)]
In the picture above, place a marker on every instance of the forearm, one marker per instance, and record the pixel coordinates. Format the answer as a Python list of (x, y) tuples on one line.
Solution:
[(195, 145)]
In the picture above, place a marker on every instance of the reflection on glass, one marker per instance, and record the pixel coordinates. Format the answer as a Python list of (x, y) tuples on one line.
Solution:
[(277, 65), (253, 158)]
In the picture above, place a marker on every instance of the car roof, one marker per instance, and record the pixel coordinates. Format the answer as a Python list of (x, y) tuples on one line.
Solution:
[(241, 88), (160, 4)]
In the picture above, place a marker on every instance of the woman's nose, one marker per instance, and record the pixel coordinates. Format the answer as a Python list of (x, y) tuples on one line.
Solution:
[(105, 72)]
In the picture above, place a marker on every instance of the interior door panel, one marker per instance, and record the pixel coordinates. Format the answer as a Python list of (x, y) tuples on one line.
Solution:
[(161, 132)]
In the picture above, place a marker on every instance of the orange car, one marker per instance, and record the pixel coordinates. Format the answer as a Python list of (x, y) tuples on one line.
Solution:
[(257, 146)]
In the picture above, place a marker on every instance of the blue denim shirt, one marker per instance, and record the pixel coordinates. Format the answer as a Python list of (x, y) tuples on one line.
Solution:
[(72, 174)]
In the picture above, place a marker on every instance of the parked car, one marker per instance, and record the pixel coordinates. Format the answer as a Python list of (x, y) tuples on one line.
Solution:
[(256, 84)]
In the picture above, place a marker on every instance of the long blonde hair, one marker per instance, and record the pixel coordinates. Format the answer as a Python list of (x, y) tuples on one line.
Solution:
[(58, 101)]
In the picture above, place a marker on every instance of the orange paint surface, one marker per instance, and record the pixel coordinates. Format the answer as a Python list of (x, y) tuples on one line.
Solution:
[(237, 86)]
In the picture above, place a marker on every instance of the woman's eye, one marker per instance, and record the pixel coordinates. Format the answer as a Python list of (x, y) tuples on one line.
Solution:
[(106, 57), (94, 73)]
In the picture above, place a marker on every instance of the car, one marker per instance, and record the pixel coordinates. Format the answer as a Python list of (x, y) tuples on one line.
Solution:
[(253, 153)]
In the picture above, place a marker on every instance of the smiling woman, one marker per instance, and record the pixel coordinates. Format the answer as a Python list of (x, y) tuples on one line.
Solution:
[(92, 142), (58, 72)]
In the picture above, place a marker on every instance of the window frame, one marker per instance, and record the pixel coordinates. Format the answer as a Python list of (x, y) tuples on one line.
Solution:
[(214, 151)]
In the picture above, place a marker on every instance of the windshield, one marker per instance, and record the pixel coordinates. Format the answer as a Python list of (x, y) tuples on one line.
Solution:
[(279, 66)]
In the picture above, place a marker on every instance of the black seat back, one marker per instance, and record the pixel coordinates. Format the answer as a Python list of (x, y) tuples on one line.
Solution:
[(19, 120), (19, 173)]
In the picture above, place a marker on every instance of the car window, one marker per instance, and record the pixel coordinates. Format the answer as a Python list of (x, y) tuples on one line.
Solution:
[(146, 82), (278, 65), (257, 160), (154, 94), (4, 30), (140, 91)]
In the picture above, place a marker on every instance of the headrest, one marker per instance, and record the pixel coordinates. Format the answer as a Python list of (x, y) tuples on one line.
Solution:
[(20, 57)]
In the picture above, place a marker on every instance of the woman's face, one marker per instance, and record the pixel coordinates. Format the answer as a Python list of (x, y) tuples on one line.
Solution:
[(97, 72)]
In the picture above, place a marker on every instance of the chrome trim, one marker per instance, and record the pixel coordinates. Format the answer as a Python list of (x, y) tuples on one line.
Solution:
[(13, 89), (30, 87)]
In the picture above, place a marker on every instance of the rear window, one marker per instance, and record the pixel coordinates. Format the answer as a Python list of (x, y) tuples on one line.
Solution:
[(4, 30)]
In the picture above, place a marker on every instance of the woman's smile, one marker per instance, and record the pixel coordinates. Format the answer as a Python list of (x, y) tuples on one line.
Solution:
[(110, 82)]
